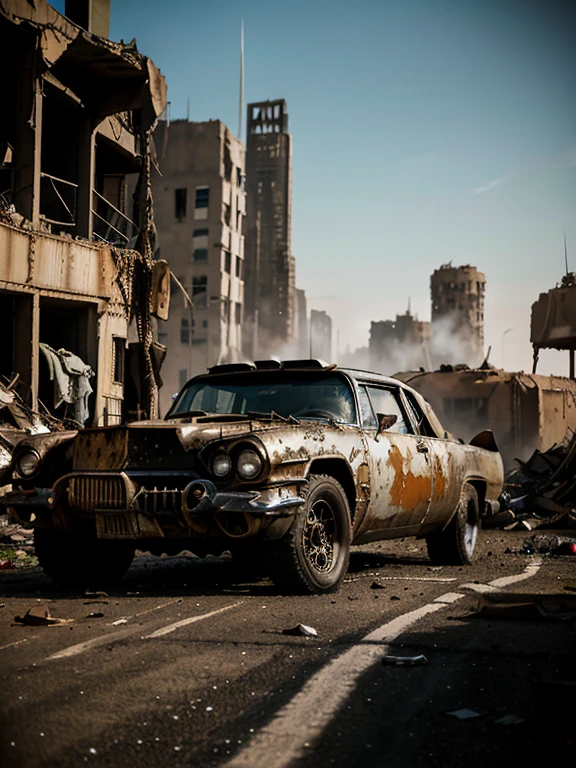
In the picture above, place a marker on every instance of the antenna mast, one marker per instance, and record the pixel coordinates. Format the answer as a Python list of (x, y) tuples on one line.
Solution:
[(565, 252), (241, 104)]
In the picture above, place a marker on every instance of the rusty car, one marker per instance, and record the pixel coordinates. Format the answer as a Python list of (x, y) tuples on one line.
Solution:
[(286, 464)]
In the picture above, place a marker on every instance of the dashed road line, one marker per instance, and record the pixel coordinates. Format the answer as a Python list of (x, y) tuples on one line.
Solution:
[(113, 637), (184, 622), (301, 722)]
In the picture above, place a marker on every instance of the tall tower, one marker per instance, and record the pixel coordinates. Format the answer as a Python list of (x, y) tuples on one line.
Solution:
[(457, 315), (270, 272)]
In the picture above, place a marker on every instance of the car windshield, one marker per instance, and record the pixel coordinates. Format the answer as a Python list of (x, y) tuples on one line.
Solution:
[(301, 395)]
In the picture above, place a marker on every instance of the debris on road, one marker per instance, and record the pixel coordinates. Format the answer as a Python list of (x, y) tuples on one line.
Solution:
[(6, 565), (540, 492), (40, 616), (527, 607), (464, 714), (118, 622), (302, 630), (510, 720), (405, 661), (95, 615), (549, 544), (377, 585)]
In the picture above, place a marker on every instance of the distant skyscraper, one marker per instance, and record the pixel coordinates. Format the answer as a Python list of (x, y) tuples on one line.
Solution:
[(320, 335), (270, 272), (457, 315)]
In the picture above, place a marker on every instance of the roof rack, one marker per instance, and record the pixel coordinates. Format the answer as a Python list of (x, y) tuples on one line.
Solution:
[(232, 368)]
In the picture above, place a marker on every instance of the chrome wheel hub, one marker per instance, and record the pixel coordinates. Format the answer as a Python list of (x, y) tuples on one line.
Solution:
[(318, 536)]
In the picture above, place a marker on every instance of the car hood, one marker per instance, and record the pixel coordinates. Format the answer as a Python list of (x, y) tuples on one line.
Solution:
[(157, 445)]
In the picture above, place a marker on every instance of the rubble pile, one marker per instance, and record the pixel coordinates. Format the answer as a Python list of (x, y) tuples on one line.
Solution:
[(541, 492)]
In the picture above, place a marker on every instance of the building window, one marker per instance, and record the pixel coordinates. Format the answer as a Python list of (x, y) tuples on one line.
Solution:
[(200, 254), (227, 261), (182, 377), (202, 197), (119, 352), (199, 288), (226, 214), (184, 331), (204, 323), (239, 265), (198, 342), (238, 313), (200, 233), (180, 203)]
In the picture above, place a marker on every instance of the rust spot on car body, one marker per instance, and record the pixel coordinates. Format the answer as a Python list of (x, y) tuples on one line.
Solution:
[(439, 480), (407, 489)]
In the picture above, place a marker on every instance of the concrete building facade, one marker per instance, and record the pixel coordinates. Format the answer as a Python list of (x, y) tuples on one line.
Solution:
[(270, 268), (76, 258), (200, 205), (457, 329), (399, 344), (320, 335)]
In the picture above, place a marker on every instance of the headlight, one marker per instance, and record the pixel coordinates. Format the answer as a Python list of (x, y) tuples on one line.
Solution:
[(249, 464), (28, 463), (221, 464)]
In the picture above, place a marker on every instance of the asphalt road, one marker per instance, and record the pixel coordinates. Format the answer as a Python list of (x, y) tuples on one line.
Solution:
[(186, 665)]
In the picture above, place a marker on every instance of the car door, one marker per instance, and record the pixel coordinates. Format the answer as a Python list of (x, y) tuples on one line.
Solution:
[(446, 461), (401, 483)]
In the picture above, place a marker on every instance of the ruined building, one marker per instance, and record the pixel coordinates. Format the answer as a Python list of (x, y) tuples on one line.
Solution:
[(400, 344), (320, 335), (76, 256), (553, 320), (199, 209), (270, 269), (457, 330)]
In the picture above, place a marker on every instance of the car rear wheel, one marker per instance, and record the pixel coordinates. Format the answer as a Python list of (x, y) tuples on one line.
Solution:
[(81, 560), (313, 555), (455, 545)]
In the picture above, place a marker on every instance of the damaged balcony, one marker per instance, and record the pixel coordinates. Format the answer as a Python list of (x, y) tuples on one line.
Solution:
[(76, 248)]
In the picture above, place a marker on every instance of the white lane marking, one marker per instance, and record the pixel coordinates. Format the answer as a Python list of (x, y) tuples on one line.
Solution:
[(184, 622), (283, 741), (143, 613), (87, 645), (482, 588), (530, 570), (112, 637), (448, 597), (16, 642), (415, 578)]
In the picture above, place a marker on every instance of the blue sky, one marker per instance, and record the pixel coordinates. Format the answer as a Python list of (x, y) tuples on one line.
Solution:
[(424, 131)]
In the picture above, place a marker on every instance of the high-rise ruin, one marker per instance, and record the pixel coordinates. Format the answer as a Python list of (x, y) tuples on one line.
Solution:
[(199, 207), (270, 281), (457, 329)]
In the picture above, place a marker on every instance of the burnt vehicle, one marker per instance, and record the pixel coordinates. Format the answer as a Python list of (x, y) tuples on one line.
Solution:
[(284, 464)]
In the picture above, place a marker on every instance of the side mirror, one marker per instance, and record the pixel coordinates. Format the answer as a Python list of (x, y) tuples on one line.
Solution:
[(385, 421)]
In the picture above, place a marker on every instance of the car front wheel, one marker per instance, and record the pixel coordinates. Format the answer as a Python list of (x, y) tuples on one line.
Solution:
[(455, 545), (313, 555)]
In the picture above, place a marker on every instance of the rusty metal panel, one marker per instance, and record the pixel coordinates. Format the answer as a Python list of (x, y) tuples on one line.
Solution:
[(104, 448)]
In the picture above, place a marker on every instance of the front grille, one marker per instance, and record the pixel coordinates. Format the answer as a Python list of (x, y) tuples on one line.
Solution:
[(91, 493), (116, 526), (152, 501)]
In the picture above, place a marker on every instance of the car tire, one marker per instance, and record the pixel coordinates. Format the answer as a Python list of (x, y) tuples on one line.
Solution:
[(455, 545), (313, 555), (81, 560)]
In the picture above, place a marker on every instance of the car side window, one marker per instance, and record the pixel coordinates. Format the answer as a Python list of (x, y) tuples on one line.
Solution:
[(367, 415), (385, 401), (419, 417)]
